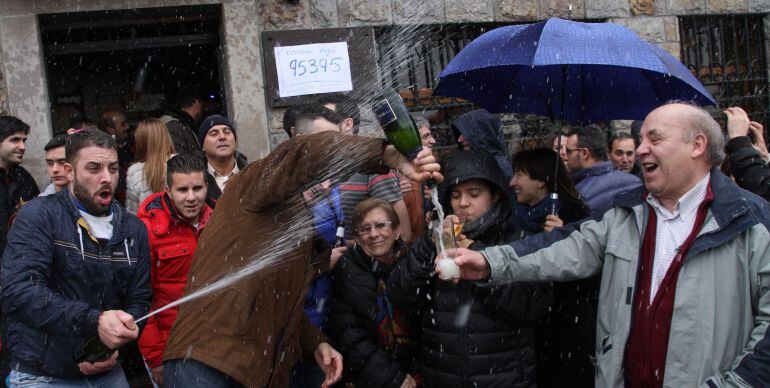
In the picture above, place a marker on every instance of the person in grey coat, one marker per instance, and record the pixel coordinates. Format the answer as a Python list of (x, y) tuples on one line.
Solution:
[(685, 292)]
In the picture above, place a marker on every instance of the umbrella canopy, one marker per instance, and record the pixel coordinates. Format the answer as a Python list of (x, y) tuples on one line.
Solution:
[(578, 72)]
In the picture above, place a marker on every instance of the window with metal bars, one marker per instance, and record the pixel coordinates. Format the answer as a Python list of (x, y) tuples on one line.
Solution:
[(421, 54), (727, 54)]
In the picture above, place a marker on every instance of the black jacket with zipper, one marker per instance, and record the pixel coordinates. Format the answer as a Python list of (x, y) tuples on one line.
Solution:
[(354, 326)]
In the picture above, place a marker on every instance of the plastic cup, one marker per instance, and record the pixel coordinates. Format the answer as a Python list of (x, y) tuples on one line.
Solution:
[(445, 240)]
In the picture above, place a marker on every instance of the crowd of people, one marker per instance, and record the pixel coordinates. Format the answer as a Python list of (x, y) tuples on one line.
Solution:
[(599, 259)]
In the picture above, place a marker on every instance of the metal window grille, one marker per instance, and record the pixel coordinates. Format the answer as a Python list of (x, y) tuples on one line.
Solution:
[(418, 62), (727, 54), (415, 74)]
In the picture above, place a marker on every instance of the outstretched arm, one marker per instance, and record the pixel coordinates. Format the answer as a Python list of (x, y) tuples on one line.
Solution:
[(573, 252), (303, 161)]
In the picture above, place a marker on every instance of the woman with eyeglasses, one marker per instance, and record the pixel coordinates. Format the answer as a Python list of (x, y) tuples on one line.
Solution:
[(472, 335), (566, 335), (375, 338)]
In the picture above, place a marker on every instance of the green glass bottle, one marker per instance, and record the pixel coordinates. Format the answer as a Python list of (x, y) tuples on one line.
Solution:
[(398, 125), (95, 351)]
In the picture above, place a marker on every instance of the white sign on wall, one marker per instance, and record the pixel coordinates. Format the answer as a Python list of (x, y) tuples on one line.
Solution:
[(313, 68)]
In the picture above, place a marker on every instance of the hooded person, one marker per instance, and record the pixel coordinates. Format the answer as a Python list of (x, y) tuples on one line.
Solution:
[(472, 335), (483, 131)]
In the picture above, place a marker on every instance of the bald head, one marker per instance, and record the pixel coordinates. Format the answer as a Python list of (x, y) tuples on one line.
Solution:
[(680, 143), (696, 120)]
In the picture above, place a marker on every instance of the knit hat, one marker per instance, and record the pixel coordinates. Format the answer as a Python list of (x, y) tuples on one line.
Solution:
[(212, 121)]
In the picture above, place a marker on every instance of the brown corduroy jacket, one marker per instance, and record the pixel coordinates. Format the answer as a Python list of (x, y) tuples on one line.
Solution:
[(255, 330)]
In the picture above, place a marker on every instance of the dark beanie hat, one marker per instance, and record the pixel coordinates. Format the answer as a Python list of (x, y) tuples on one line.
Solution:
[(213, 121)]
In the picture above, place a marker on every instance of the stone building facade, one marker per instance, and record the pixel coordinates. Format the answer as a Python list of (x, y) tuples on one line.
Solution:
[(23, 87)]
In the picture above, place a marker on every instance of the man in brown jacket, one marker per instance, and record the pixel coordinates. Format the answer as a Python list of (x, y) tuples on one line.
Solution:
[(253, 331)]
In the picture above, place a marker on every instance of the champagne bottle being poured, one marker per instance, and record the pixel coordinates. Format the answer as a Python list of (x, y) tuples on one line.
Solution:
[(398, 125)]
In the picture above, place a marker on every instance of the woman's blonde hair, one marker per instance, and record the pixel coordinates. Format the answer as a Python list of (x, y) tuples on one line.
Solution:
[(153, 147)]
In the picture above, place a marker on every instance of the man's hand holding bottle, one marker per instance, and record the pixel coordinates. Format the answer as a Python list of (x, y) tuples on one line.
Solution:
[(117, 328), (423, 168)]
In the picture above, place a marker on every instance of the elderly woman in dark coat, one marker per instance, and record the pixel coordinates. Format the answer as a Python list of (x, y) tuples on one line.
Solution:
[(376, 338)]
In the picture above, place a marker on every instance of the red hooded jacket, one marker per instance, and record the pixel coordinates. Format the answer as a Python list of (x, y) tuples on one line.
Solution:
[(172, 246)]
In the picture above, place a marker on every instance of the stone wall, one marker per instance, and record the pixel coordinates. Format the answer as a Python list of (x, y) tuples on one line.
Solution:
[(23, 86), (22, 75), (654, 20), (3, 90)]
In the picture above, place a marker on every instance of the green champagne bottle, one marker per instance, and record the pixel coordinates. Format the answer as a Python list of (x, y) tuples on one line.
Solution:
[(95, 351), (398, 125)]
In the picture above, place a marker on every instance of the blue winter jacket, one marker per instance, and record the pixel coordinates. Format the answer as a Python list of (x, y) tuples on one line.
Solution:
[(599, 184), (327, 216), (57, 279)]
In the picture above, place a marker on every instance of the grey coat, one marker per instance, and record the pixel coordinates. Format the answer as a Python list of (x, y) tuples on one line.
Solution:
[(719, 328)]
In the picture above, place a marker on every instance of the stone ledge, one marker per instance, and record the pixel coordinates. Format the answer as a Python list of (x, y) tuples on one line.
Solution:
[(759, 6), (560, 8), (686, 7), (671, 25), (282, 16), (599, 9), (323, 14), (649, 28), (517, 10), (726, 6), (418, 12), (469, 10), (354, 13)]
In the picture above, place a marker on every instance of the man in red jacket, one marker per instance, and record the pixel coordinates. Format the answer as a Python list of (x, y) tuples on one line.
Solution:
[(174, 220)]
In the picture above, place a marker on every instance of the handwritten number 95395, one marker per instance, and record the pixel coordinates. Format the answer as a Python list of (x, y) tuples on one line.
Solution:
[(312, 66)]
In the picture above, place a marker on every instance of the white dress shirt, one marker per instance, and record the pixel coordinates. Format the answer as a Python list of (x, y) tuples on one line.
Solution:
[(673, 228)]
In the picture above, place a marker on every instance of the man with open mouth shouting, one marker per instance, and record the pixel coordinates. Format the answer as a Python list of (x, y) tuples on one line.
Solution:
[(75, 275), (685, 264)]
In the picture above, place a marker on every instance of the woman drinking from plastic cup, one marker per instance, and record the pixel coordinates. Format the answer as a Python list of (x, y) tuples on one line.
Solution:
[(472, 335)]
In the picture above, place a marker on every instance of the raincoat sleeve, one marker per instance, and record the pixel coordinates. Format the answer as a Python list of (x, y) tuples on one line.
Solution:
[(301, 162), (751, 172), (410, 280), (573, 252), (518, 303), (750, 368), (26, 266)]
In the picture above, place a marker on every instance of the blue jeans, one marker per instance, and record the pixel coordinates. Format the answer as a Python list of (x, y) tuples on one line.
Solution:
[(114, 378), (184, 373)]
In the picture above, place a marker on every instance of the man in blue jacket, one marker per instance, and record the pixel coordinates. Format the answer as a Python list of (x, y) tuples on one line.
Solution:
[(594, 176), (75, 270)]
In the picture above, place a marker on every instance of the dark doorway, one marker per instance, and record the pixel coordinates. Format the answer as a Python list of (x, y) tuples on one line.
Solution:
[(135, 60)]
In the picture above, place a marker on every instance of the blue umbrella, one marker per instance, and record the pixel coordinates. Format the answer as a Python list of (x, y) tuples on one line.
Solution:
[(578, 72)]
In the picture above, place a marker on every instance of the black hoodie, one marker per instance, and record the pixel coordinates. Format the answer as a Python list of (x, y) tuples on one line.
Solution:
[(485, 133), (472, 336)]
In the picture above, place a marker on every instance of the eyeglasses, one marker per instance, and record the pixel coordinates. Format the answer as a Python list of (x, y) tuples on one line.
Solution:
[(571, 150), (364, 230)]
